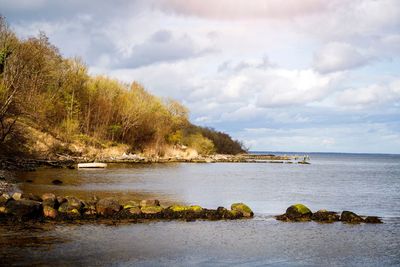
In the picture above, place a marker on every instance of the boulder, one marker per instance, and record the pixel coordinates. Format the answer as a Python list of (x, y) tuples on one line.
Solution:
[(93, 200), (149, 202), (61, 199), (325, 216), (181, 208), (154, 210), (6, 196), (17, 196), (350, 217), (24, 208), (31, 196), (49, 200), (3, 199), (131, 204), (296, 213), (372, 219), (49, 212), (107, 207), (243, 208), (135, 211), (72, 206)]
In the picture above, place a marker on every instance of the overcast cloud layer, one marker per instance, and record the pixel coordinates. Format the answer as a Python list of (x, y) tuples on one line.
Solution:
[(310, 75)]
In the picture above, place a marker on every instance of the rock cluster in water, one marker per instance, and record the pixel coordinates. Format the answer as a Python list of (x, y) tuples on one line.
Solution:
[(301, 213), (23, 207)]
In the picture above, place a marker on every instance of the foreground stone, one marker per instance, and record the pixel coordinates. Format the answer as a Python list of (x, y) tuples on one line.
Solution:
[(350, 217), (57, 208), (373, 219), (107, 207), (296, 213), (300, 213), (242, 208), (24, 208), (325, 216)]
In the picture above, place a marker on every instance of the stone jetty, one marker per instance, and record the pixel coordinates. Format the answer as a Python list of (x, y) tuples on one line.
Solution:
[(301, 213), (49, 207)]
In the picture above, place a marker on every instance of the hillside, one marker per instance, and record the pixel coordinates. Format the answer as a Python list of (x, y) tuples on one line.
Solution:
[(50, 105)]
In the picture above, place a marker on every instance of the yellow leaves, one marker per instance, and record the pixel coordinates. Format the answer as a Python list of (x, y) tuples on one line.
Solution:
[(204, 146)]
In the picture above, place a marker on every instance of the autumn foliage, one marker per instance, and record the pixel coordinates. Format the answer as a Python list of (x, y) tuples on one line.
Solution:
[(57, 95)]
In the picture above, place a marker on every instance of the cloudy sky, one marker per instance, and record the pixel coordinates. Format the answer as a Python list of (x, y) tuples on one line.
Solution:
[(309, 75)]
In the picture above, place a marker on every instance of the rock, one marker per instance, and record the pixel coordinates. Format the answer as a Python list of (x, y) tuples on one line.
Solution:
[(243, 208), (3, 199), (151, 210), (93, 200), (131, 204), (107, 207), (6, 196), (149, 202), (29, 181), (325, 216), (74, 203), (72, 206), (350, 217), (24, 208), (373, 219), (196, 208), (56, 182), (298, 212), (61, 200), (31, 196), (49, 212), (49, 196), (50, 200), (135, 211), (17, 196)]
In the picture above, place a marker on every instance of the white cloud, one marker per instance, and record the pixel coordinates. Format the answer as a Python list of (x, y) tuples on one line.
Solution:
[(370, 96), (238, 9), (244, 64), (338, 57)]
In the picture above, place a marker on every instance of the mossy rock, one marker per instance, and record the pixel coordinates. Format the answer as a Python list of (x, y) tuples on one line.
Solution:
[(350, 217), (179, 208), (149, 202), (151, 209), (373, 219), (243, 208), (49, 212), (299, 209), (325, 216), (196, 208), (135, 211), (131, 204), (296, 213)]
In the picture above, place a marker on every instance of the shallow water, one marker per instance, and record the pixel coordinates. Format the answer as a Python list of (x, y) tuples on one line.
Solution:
[(365, 184)]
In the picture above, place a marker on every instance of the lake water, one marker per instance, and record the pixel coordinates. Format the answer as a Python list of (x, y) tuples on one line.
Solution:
[(365, 184)]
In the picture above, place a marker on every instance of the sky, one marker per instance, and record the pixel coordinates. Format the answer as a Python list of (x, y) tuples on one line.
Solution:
[(310, 75)]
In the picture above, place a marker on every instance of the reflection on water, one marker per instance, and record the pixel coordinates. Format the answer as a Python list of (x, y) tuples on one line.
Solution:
[(366, 184), (245, 242)]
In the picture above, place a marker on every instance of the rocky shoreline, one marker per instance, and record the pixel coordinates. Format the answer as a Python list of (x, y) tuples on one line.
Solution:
[(49, 207), (65, 161), (301, 213)]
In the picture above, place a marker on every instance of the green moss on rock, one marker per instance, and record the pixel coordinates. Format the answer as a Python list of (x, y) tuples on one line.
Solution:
[(179, 208), (243, 208), (131, 204), (151, 209), (196, 208), (300, 208)]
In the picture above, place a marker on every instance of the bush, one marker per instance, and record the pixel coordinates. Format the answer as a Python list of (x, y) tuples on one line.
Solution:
[(204, 146)]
